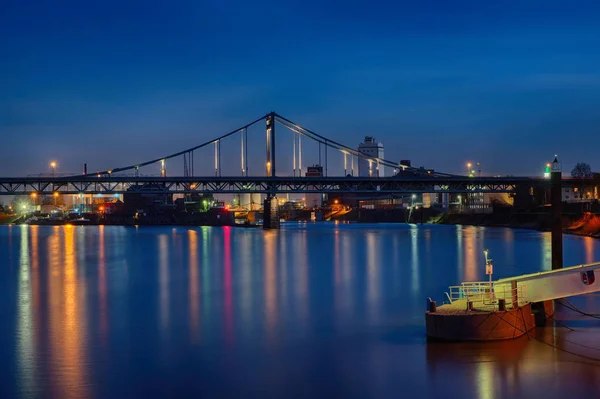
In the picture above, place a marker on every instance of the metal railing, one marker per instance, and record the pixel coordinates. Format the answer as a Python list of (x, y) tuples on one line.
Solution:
[(484, 294)]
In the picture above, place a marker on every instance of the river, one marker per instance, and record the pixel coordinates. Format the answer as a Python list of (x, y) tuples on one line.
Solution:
[(312, 310)]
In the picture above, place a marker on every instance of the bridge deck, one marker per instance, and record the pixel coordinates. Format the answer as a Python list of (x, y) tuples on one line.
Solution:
[(553, 284), (111, 184)]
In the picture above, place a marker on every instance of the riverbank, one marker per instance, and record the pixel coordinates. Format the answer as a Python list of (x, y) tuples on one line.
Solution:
[(6, 219), (586, 224)]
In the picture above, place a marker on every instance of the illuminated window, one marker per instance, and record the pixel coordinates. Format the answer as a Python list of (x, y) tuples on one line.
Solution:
[(576, 189)]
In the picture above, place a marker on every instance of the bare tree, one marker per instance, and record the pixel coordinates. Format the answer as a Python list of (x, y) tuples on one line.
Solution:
[(582, 171)]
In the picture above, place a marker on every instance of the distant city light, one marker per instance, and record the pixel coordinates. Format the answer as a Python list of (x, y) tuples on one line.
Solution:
[(547, 171)]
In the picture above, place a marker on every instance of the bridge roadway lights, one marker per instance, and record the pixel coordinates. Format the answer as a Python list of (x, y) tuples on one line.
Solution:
[(271, 213)]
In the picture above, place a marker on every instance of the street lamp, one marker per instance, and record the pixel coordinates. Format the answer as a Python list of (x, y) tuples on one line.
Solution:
[(53, 166)]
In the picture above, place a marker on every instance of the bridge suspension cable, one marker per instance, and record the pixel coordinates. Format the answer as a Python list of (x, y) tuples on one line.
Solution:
[(341, 147), (299, 131), (180, 153)]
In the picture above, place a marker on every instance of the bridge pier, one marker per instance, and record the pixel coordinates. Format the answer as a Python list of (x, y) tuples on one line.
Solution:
[(271, 213)]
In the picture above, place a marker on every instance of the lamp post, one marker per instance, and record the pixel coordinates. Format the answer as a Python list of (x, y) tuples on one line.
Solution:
[(489, 270), (53, 166)]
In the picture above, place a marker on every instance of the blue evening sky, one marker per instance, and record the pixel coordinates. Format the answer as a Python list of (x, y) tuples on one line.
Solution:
[(504, 83)]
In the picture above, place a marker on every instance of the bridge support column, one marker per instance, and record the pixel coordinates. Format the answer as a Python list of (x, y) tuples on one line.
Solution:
[(556, 224), (271, 213), (270, 163)]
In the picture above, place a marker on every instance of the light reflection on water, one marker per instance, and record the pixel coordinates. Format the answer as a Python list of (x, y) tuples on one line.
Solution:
[(123, 312)]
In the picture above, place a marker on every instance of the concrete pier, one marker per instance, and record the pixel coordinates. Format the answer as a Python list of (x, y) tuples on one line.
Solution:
[(271, 213), (454, 322)]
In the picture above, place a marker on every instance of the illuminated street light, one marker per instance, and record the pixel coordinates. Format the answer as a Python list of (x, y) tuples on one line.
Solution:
[(53, 166)]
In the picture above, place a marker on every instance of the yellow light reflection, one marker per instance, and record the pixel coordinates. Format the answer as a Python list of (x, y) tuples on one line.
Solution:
[(470, 254), (588, 243), (270, 281), (485, 380), (194, 290), (66, 315), (73, 322), (35, 270), (460, 251)]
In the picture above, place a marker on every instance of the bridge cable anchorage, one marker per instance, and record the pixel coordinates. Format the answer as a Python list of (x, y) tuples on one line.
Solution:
[(174, 155)]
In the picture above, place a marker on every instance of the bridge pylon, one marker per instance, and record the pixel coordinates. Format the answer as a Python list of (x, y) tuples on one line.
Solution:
[(270, 161)]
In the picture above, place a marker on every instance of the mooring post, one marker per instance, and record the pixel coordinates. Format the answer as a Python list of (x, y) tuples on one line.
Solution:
[(556, 224)]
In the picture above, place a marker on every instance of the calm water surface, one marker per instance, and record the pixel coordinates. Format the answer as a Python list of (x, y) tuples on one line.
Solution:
[(309, 311)]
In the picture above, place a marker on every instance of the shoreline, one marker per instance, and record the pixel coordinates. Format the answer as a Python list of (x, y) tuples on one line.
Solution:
[(586, 225)]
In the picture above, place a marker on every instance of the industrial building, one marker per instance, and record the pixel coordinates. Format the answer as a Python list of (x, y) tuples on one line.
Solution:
[(372, 149)]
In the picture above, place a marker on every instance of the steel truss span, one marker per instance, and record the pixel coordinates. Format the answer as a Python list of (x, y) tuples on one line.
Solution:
[(266, 185)]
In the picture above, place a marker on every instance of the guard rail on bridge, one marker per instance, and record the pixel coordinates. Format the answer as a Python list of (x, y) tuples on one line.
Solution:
[(107, 184)]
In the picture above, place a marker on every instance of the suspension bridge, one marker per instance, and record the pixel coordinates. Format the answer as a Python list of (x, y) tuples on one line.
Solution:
[(123, 179)]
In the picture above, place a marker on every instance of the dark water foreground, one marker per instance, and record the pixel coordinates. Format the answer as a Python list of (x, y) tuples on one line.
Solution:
[(309, 311)]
